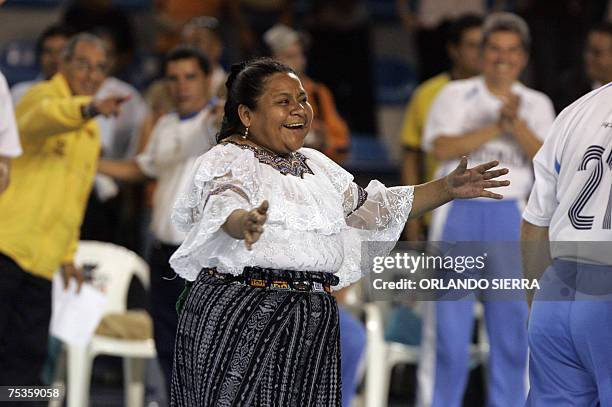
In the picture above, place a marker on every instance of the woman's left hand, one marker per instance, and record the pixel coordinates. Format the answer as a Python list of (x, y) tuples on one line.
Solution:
[(464, 183)]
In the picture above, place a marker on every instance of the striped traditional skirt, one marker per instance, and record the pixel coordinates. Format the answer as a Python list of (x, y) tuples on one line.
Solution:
[(240, 345)]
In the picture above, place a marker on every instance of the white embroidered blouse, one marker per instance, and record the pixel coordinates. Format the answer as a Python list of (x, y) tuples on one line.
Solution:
[(317, 218)]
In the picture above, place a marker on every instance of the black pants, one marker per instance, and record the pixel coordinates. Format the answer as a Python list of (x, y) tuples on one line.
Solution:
[(25, 313), (166, 287)]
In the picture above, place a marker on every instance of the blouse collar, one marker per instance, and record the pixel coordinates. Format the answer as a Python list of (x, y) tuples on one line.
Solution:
[(295, 164)]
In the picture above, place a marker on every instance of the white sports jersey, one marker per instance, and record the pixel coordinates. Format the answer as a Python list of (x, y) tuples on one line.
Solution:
[(467, 105), (572, 194)]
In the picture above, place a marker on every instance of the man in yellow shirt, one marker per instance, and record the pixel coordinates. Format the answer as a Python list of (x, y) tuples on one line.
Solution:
[(463, 49), (42, 209)]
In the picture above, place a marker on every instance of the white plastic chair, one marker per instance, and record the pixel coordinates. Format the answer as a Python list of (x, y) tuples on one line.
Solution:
[(114, 266), (382, 356)]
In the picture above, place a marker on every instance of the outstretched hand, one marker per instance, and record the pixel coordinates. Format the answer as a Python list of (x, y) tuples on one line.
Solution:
[(464, 183), (110, 106), (252, 224)]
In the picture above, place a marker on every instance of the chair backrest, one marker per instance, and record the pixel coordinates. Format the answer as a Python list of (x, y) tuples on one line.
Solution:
[(111, 268)]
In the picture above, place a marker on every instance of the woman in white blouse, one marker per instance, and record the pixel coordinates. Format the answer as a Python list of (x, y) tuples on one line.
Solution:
[(272, 227)]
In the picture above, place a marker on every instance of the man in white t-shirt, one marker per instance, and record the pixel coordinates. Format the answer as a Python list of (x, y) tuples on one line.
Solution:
[(177, 140), (9, 138), (489, 117), (570, 208)]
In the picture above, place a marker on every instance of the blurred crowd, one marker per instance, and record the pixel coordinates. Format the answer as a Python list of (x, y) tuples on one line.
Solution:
[(157, 106)]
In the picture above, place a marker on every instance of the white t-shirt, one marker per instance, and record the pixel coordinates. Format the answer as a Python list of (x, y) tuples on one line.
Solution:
[(9, 138), (572, 193), (174, 146), (467, 105)]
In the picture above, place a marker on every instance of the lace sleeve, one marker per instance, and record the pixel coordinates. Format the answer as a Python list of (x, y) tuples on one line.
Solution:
[(221, 184), (222, 171), (377, 207), (376, 216)]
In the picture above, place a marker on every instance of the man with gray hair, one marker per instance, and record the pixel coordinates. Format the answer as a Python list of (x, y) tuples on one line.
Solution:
[(42, 209), (488, 117)]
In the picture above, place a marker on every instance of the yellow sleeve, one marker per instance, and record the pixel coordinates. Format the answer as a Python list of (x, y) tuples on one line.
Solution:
[(412, 126), (40, 115)]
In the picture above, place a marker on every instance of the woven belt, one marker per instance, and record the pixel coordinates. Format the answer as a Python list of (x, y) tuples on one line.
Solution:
[(275, 279)]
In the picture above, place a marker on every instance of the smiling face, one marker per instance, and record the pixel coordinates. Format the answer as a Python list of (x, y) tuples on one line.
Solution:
[(86, 69), (281, 120), (503, 57)]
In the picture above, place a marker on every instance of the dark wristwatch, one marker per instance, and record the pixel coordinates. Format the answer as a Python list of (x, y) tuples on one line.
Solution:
[(89, 111)]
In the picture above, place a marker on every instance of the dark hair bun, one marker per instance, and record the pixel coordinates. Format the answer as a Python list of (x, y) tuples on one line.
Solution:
[(234, 71)]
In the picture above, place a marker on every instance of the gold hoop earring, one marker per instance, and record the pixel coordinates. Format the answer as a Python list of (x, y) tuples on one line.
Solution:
[(246, 133)]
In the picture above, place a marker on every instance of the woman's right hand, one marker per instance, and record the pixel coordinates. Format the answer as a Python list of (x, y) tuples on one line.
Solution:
[(252, 224)]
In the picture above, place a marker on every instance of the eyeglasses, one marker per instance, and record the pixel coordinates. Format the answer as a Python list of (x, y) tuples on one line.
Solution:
[(84, 65)]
